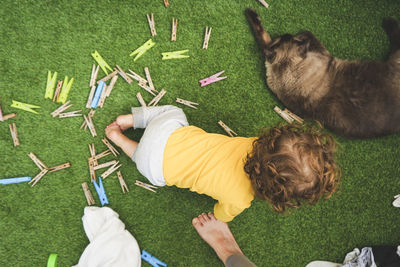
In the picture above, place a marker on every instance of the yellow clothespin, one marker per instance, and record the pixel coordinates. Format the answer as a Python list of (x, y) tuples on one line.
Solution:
[(174, 54), (66, 87), (51, 83), (143, 49), (103, 65), (24, 106)]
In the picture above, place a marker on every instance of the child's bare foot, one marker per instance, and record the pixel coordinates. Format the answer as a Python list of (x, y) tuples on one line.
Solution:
[(217, 234), (113, 132), (125, 121)]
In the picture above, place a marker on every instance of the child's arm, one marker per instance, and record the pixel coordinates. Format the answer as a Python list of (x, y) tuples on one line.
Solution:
[(226, 212), (142, 116)]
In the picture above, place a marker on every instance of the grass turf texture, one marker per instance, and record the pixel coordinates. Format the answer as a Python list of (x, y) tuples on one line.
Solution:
[(38, 36)]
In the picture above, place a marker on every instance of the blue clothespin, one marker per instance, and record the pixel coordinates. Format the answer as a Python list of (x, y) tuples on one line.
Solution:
[(101, 192), (15, 180), (153, 261), (97, 95)]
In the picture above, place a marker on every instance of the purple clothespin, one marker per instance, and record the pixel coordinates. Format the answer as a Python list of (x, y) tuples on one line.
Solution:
[(153, 261), (212, 79)]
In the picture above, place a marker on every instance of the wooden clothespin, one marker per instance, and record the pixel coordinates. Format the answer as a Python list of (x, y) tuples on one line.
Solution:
[(147, 88), (212, 79), (113, 150), (57, 92), (90, 114), (293, 116), (109, 76), (51, 83), (174, 54), (136, 76), (93, 77), (152, 25), (264, 3), (166, 3), (101, 155), (174, 29), (148, 77), (6, 117), (142, 49), (61, 109), (38, 177), (105, 165), (284, 115), (111, 85), (141, 100), (124, 187), (157, 98), (70, 114), (90, 124), (227, 129), (146, 186), (14, 134), (37, 161), (207, 37), (186, 103), (88, 194), (90, 98), (103, 65), (24, 106), (59, 167), (103, 96), (110, 170), (123, 74)]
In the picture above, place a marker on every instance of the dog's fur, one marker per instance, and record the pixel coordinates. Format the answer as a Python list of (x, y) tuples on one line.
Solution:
[(352, 98)]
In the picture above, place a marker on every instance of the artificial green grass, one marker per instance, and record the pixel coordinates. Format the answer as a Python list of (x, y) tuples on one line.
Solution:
[(37, 36)]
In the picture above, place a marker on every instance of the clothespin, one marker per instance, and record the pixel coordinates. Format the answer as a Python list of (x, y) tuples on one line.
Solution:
[(97, 95), (124, 187), (137, 77), (141, 100), (60, 167), (153, 261), (103, 96), (146, 186), (109, 76), (38, 177), (212, 79), (90, 114), (227, 129), (61, 109), (157, 98), (101, 192), (148, 77), (294, 116), (174, 29), (51, 83), (152, 25), (284, 115), (92, 172), (14, 134), (187, 103), (102, 154), (264, 3), (93, 77), (37, 161), (90, 124), (207, 37), (6, 117), (113, 150), (148, 89), (24, 106), (58, 90), (174, 54), (88, 194), (74, 113), (105, 165), (90, 98), (143, 49), (15, 180), (66, 87), (103, 65), (111, 85), (123, 74), (110, 170), (166, 3)]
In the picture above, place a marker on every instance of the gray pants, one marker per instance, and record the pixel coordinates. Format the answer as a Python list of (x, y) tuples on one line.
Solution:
[(238, 260)]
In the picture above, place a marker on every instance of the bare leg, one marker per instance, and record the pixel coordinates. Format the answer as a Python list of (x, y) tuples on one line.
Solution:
[(217, 234), (114, 133)]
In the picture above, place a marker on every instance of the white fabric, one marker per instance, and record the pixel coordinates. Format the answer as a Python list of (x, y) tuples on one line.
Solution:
[(323, 264), (110, 244)]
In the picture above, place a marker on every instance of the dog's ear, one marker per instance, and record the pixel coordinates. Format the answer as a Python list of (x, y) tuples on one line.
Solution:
[(303, 45), (269, 55)]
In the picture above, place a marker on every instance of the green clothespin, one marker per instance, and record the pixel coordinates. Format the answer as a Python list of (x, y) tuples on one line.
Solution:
[(24, 106), (51, 83), (143, 49), (65, 90), (174, 54), (103, 65)]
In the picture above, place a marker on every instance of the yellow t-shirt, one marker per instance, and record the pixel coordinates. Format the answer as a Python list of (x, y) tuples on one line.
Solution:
[(211, 164)]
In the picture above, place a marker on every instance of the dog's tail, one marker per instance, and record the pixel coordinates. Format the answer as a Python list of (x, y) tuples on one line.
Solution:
[(260, 34)]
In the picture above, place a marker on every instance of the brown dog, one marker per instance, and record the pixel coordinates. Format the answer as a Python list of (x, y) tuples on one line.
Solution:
[(352, 98)]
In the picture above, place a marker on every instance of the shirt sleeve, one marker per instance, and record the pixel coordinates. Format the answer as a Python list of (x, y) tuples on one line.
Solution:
[(226, 212)]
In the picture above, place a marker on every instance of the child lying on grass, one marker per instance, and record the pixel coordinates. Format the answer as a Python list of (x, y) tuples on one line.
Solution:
[(286, 165)]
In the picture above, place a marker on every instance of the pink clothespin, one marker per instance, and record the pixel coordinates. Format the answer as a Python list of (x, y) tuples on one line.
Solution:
[(212, 79)]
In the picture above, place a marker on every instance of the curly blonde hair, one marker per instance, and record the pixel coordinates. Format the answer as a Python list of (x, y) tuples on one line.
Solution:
[(292, 164)]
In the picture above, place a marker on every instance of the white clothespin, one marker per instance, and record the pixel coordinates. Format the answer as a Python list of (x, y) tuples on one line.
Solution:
[(88, 194), (264, 3), (157, 98), (206, 37), (186, 103), (227, 129), (14, 134), (123, 74), (152, 25), (146, 186), (141, 100), (396, 201), (124, 187), (113, 150), (110, 170), (174, 29)]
